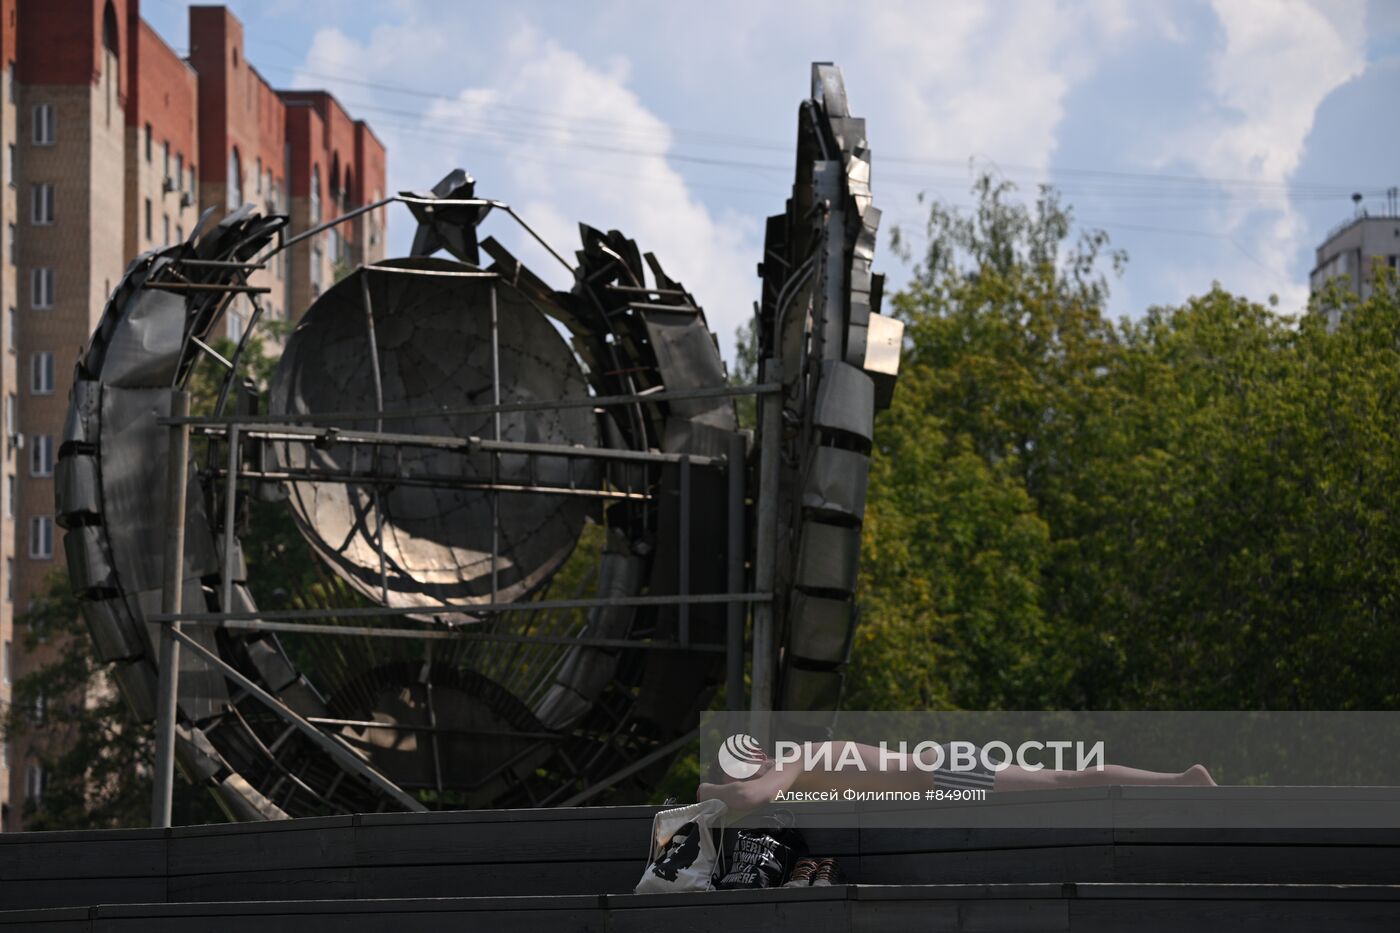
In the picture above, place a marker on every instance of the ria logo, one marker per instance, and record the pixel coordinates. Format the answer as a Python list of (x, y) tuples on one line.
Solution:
[(740, 756)]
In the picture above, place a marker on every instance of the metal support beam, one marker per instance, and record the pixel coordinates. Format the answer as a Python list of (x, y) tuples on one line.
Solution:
[(330, 745), (624, 773), (495, 458), (373, 339), (206, 287), (448, 634), (683, 577), (230, 516), (167, 691), (765, 552), (734, 612), (589, 401), (299, 434), (369, 612), (315, 474)]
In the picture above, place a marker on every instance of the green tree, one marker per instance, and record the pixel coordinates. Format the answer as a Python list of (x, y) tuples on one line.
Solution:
[(1005, 334), (746, 371), (1190, 510), (95, 755)]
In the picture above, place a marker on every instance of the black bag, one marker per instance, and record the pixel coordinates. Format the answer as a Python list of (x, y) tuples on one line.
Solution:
[(759, 858)]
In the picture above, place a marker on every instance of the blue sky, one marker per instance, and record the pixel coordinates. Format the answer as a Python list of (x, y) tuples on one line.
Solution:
[(1215, 142)]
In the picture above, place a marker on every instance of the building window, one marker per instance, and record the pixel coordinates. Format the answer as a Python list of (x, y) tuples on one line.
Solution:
[(45, 128), (39, 708), (34, 781), (41, 290), (179, 171), (13, 232), (257, 177), (110, 42), (41, 537), (165, 163), (165, 228), (11, 496), (315, 194), (8, 661), (12, 422), (149, 153), (148, 218), (41, 455), (191, 179), (316, 260), (12, 328), (41, 373), (235, 180), (41, 204), (10, 79), (12, 168)]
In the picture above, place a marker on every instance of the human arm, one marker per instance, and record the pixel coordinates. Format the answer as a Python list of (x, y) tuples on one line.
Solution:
[(753, 793)]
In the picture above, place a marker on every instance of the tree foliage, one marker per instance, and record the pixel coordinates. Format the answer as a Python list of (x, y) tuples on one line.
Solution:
[(1192, 510), (95, 754)]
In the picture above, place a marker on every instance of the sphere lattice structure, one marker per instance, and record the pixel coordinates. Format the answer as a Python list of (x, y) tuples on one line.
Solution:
[(434, 343), (535, 488)]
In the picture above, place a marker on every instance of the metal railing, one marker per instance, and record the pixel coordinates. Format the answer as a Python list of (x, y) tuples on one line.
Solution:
[(239, 429)]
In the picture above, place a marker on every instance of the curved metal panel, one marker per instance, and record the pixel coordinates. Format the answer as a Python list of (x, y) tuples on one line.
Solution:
[(435, 343)]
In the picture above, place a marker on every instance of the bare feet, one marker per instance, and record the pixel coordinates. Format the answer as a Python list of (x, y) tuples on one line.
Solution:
[(1197, 776)]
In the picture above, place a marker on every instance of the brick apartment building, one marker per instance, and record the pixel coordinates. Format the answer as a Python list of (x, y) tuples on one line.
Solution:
[(113, 145)]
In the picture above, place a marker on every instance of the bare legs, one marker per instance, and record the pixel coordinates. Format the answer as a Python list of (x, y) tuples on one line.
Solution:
[(1016, 778)]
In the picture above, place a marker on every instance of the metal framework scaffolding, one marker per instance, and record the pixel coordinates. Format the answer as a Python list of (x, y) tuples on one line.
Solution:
[(442, 432)]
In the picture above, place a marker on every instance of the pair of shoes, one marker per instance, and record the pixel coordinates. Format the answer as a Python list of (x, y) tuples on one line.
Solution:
[(814, 872)]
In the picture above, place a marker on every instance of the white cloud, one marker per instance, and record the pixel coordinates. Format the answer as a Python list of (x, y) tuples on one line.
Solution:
[(986, 80), (1280, 59), (530, 114), (564, 141)]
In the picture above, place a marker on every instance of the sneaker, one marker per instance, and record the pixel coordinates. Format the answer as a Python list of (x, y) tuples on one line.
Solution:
[(802, 873), (826, 874)]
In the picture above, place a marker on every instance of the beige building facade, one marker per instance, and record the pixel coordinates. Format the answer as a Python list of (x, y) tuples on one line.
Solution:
[(114, 146)]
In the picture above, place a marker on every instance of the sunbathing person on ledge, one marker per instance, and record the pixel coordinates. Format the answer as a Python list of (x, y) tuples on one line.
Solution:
[(852, 766)]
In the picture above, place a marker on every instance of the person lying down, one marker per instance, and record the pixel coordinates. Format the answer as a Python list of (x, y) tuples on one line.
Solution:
[(853, 766)]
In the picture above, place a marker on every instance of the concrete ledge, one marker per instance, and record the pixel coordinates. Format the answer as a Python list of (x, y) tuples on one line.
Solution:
[(601, 851), (1086, 908)]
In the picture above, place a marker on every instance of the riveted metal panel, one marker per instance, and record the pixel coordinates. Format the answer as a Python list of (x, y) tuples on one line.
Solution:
[(77, 489), (845, 400), (89, 564), (115, 631), (145, 347), (821, 628), (134, 468), (836, 482), (137, 680), (84, 401), (807, 689), (827, 557)]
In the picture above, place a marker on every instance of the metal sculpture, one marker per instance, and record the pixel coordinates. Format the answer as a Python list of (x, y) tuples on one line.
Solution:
[(446, 432)]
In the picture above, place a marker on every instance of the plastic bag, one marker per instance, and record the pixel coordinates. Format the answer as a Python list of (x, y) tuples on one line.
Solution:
[(683, 854)]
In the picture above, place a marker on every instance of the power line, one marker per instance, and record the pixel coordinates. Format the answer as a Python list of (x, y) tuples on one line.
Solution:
[(1168, 183)]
